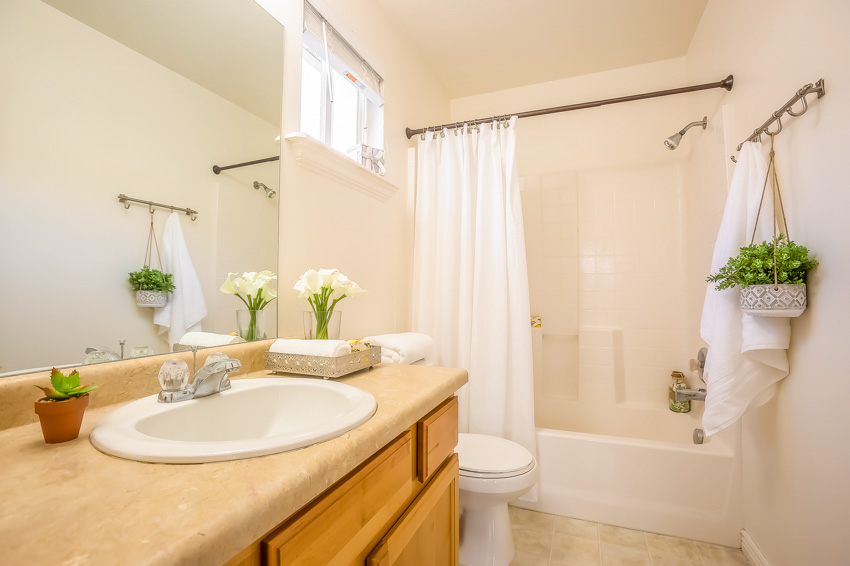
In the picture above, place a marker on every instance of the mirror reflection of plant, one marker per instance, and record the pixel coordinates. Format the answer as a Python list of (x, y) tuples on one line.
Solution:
[(754, 265), (147, 279)]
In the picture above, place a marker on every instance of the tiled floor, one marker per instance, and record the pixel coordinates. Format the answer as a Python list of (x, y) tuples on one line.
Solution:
[(550, 540)]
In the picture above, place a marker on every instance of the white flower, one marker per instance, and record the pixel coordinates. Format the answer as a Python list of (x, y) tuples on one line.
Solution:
[(253, 285), (310, 286)]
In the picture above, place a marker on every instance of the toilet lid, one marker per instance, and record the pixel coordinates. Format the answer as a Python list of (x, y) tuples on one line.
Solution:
[(491, 455)]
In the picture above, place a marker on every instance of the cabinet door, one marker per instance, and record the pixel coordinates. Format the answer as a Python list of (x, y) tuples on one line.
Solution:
[(342, 523), (427, 533)]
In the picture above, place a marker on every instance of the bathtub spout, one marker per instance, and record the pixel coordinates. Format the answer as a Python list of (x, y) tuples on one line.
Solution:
[(690, 395)]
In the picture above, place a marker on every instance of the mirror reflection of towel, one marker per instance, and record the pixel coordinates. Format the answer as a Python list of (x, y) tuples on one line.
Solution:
[(186, 306)]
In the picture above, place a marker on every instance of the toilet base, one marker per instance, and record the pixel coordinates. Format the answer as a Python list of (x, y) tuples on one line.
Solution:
[(486, 538)]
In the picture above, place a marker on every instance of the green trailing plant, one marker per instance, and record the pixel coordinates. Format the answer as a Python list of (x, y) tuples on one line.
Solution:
[(147, 279), (754, 265), (65, 386)]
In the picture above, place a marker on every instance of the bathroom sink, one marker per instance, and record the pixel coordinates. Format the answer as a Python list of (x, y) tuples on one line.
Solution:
[(255, 417)]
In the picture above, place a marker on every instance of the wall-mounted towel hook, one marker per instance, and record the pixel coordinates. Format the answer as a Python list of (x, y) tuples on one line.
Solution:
[(193, 216), (778, 126), (805, 106)]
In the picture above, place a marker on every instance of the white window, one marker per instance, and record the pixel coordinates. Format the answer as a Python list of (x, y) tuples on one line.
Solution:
[(341, 103)]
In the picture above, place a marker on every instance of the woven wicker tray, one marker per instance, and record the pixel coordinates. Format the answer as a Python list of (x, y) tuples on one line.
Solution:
[(322, 366)]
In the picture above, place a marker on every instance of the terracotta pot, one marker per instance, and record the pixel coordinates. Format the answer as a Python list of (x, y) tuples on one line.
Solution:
[(61, 420)]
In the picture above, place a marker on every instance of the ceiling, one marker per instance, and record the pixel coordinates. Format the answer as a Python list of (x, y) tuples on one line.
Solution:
[(477, 46), (233, 48)]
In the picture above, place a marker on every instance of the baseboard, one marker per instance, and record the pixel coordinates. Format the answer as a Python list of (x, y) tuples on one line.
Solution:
[(751, 550)]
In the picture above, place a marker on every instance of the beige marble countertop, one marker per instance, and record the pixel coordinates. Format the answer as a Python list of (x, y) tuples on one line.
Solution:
[(69, 504)]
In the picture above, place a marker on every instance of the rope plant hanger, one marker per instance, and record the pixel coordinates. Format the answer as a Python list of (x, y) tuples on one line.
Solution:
[(771, 177), (152, 243)]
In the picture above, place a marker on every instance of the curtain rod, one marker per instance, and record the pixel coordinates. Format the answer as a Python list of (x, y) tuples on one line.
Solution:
[(217, 169), (123, 199), (725, 83), (810, 88)]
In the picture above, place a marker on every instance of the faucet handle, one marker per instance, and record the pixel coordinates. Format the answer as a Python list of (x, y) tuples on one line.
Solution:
[(174, 375)]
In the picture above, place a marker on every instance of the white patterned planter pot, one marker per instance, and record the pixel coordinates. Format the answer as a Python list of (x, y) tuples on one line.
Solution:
[(151, 298), (774, 300)]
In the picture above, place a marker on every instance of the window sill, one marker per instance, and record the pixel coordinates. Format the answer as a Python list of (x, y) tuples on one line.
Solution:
[(319, 158)]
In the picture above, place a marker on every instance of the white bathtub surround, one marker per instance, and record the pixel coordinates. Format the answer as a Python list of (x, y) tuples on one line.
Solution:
[(747, 354), (675, 488), (404, 348), (186, 307), (470, 283)]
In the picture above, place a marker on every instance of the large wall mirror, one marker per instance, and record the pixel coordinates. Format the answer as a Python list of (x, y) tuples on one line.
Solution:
[(106, 97)]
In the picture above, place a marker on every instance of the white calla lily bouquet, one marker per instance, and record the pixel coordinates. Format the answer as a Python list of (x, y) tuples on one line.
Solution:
[(323, 289), (254, 285)]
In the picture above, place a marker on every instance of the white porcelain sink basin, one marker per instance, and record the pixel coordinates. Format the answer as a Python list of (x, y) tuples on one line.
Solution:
[(254, 418)]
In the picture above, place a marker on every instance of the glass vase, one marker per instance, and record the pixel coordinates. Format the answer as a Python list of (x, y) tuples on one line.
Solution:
[(322, 325), (251, 324)]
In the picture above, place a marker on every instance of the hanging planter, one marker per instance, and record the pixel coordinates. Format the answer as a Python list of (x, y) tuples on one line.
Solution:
[(151, 285), (772, 274)]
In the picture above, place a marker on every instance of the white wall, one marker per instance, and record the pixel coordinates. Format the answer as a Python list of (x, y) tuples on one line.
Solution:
[(326, 224), (83, 119), (795, 460)]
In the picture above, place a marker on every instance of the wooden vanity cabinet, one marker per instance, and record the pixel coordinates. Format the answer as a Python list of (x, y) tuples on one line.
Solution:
[(397, 508)]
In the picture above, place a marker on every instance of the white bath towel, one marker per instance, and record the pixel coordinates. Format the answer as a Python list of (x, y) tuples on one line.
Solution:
[(404, 348), (746, 355), (325, 348), (208, 339), (186, 307)]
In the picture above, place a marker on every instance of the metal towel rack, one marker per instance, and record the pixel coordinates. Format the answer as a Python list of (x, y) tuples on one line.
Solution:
[(125, 200), (810, 88)]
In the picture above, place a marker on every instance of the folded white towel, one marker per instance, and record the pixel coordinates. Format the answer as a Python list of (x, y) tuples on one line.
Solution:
[(747, 354), (404, 348), (324, 348), (206, 339)]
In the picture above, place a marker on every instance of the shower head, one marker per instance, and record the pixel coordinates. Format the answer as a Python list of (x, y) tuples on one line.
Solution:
[(271, 193), (672, 142)]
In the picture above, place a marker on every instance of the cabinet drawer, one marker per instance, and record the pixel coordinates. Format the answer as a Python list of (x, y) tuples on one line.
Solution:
[(436, 438), (336, 528), (427, 533)]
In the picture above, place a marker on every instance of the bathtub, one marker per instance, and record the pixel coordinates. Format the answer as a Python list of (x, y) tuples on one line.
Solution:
[(671, 488)]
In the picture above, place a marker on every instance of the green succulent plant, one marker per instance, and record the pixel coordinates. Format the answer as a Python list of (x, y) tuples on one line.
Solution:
[(147, 279), (754, 265), (65, 386)]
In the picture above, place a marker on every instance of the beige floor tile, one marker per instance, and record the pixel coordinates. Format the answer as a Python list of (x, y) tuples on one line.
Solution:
[(716, 555), (619, 555), (568, 549), (525, 519), (576, 528), (532, 541), (671, 561), (522, 559), (660, 546), (623, 537)]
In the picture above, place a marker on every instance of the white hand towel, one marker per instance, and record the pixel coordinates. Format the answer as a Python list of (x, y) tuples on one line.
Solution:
[(186, 306), (404, 348), (325, 348), (207, 339), (747, 354)]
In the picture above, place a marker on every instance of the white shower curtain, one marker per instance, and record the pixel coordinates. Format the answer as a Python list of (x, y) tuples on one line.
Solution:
[(470, 282)]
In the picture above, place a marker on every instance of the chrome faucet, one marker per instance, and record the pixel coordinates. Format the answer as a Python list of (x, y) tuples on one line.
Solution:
[(210, 379), (690, 394)]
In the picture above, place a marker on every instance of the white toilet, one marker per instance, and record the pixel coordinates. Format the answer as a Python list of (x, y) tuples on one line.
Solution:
[(493, 471)]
